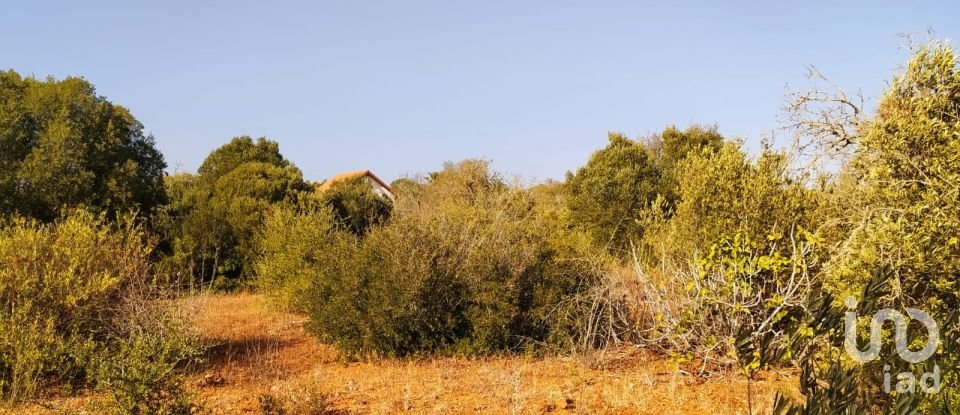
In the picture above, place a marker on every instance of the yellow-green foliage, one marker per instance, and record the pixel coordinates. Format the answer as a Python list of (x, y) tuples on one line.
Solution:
[(723, 193), (295, 242), (71, 293), (468, 264), (908, 165), (59, 283)]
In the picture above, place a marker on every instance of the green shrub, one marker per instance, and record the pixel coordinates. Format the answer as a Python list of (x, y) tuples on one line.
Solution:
[(470, 265), (356, 206), (627, 183), (73, 292), (608, 195), (722, 193)]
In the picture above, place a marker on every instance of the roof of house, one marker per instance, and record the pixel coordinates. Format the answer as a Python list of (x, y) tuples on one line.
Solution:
[(350, 175)]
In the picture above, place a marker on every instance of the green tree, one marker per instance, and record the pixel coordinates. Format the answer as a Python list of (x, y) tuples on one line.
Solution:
[(608, 194), (238, 151), (672, 146), (405, 187), (220, 210), (64, 145)]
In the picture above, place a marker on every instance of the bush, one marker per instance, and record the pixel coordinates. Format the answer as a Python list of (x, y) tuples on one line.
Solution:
[(608, 194), (73, 292), (723, 249), (356, 206), (471, 265), (294, 245), (154, 341), (723, 193), (737, 286)]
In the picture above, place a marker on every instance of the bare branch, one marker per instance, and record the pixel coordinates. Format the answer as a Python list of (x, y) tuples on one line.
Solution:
[(826, 122)]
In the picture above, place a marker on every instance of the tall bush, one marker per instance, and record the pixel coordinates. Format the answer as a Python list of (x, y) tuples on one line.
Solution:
[(608, 195), (73, 292), (471, 265), (356, 206), (723, 193)]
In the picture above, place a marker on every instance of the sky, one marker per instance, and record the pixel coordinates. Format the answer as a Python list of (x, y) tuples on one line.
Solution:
[(399, 87)]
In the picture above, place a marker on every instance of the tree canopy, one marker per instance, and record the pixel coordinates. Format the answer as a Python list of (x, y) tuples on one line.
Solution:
[(607, 194), (221, 209), (65, 146)]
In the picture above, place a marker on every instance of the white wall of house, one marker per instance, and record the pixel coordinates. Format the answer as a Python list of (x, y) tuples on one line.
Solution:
[(379, 189)]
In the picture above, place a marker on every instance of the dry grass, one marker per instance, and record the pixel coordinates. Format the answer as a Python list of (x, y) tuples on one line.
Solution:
[(258, 352)]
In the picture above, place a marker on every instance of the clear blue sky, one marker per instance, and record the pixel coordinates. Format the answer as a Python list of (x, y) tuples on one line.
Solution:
[(401, 86)]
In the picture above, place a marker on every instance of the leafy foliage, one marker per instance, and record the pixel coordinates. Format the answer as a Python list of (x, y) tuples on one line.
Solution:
[(74, 291), (468, 266), (722, 193), (238, 151), (672, 146), (904, 174), (219, 211), (608, 194), (355, 205), (906, 163), (65, 146)]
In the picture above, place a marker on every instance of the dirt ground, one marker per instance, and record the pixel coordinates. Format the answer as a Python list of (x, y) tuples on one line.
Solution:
[(262, 360)]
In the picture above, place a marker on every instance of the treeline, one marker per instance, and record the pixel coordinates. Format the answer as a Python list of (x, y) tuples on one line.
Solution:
[(680, 242)]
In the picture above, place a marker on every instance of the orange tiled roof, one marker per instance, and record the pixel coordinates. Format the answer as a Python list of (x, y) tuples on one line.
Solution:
[(350, 175)]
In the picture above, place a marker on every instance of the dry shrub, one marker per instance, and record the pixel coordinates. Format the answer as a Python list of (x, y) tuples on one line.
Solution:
[(306, 401), (739, 287)]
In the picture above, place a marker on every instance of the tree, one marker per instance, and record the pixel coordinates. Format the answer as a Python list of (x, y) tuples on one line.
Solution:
[(238, 151), (406, 187), (908, 172), (607, 195), (64, 146), (669, 148), (220, 210)]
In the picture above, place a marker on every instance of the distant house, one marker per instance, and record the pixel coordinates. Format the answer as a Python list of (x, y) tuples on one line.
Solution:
[(379, 186)]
